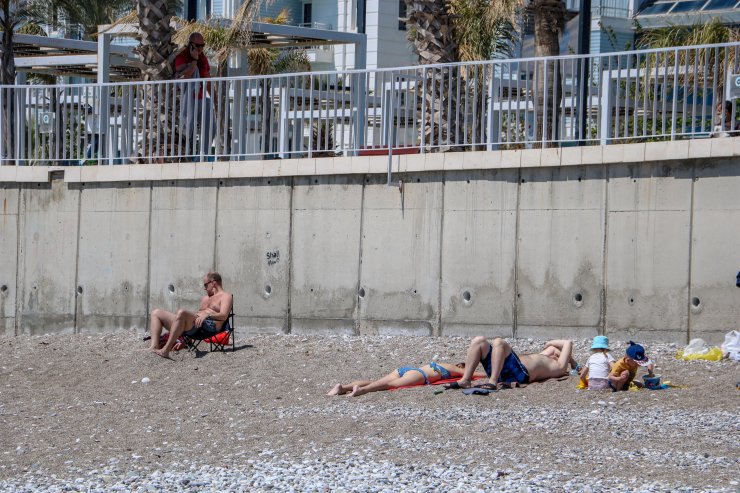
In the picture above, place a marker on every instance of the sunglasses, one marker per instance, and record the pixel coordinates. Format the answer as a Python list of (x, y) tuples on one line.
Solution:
[(196, 45), (205, 285)]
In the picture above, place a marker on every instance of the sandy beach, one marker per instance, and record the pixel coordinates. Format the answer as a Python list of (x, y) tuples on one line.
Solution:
[(75, 414)]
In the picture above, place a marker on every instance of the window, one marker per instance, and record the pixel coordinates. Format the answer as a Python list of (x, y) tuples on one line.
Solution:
[(688, 6), (720, 4), (307, 14), (658, 8), (401, 15)]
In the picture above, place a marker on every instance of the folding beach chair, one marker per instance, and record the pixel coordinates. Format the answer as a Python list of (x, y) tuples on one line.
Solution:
[(216, 342)]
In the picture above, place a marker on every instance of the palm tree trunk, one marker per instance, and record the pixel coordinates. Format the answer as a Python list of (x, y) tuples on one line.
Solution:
[(157, 52), (549, 19), (265, 108), (221, 117)]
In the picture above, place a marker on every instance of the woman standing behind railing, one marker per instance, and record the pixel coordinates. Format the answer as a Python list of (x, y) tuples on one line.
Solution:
[(723, 120)]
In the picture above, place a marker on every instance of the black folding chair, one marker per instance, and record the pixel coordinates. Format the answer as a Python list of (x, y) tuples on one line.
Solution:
[(216, 342)]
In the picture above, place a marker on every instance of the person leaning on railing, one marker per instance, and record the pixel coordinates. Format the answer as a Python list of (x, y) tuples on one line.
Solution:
[(723, 120), (192, 63)]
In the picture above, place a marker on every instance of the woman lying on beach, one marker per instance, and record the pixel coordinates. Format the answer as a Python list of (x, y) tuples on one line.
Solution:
[(404, 376)]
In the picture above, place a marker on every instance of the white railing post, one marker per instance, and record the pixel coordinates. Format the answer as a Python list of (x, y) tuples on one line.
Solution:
[(360, 115), (20, 81), (103, 110), (283, 124), (605, 107), (493, 127)]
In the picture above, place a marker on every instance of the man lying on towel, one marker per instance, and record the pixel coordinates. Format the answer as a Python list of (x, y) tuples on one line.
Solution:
[(504, 367), (214, 310)]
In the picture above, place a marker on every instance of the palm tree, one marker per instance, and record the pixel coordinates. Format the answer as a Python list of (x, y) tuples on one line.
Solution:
[(446, 31), (157, 53), (482, 29), (480, 34), (85, 16)]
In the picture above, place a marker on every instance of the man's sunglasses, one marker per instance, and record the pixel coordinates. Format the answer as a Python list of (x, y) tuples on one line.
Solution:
[(196, 45)]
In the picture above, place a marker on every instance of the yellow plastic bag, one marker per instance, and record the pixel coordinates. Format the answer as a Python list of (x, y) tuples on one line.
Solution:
[(714, 354)]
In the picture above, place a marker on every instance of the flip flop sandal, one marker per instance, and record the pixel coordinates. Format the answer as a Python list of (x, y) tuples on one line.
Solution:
[(454, 386), (487, 386), (477, 391)]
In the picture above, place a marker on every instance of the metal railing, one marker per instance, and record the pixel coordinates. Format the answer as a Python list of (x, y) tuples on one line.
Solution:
[(663, 94), (317, 25)]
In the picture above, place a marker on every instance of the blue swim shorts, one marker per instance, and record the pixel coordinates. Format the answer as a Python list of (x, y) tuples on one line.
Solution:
[(512, 371)]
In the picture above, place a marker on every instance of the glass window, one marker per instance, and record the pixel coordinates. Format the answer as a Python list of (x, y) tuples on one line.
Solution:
[(401, 15), (693, 5), (720, 4), (658, 8)]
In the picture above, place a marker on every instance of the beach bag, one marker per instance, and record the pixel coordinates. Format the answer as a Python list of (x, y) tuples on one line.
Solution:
[(699, 349), (731, 346)]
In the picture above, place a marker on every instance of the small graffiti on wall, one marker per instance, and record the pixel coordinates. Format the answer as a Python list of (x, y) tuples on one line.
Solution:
[(273, 257)]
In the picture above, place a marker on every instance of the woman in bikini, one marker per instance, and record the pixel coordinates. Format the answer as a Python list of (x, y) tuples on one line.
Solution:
[(404, 376)]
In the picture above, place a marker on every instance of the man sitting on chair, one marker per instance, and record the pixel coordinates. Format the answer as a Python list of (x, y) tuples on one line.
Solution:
[(211, 315)]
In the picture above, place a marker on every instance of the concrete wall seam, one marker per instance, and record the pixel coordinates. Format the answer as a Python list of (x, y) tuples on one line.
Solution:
[(438, 330), (604, 254)]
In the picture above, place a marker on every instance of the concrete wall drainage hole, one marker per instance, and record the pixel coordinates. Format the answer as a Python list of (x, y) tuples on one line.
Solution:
[(466, 297), (3, 288), (171, 288), (268, 290), (79, 289), (695, 302), (578, 299), (361, 292)]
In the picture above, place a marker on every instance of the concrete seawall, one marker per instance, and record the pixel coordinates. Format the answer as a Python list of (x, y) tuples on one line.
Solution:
[(634, 241)]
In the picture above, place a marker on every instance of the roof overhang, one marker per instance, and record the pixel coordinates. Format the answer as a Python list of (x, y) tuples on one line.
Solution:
[(71, 57), (729, 16)]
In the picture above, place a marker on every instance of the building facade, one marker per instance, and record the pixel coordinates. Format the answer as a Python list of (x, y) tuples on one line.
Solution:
[(387, 45)]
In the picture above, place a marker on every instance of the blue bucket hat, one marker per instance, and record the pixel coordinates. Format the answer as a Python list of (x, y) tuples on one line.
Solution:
[(637, 353), (600, 342)]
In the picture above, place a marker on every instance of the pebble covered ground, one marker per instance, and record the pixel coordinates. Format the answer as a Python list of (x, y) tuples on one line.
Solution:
[(101, 413)]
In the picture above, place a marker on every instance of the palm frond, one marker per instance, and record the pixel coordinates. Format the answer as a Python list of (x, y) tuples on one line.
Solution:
[(292, 61), (14, 14), (478, 33)]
